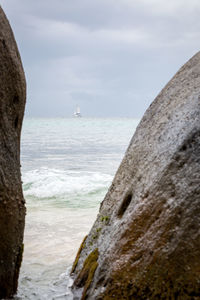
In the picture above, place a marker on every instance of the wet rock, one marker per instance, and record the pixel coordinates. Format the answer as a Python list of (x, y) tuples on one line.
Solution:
[(12, 210), (147, 230)]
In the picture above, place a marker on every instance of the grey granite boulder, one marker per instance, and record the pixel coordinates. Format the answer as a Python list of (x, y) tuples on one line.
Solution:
[(12, 209), (145, 242)]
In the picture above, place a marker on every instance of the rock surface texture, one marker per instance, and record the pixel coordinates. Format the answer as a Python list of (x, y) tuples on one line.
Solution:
[(12, 209), (147, 232)]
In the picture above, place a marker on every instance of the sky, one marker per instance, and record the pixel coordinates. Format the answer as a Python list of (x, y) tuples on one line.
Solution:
[(110, 57)]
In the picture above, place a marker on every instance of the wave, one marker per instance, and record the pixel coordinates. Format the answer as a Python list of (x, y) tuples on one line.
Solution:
[(57, 184)]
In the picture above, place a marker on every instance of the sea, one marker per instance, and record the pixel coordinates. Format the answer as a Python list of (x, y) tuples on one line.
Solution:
[(68, 165)]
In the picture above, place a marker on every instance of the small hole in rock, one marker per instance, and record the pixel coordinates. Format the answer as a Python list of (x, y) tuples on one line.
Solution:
[(16, 122), (184, 147), (125, 204)]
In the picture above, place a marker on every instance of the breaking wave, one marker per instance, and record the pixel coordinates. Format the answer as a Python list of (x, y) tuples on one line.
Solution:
[(72, 187)]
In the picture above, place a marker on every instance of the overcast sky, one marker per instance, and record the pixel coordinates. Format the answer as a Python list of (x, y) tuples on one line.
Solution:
[(111, 57)]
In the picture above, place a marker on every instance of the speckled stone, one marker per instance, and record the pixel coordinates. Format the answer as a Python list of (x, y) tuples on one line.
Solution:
[(12, 209), (147, 230)]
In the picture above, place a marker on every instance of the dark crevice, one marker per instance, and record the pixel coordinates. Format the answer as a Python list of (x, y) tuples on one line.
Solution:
[(16, 122), (125, 204), (16, 99), (4, 43)]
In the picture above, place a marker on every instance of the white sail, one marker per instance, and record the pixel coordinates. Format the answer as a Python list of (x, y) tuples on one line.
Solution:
[(77, 112)]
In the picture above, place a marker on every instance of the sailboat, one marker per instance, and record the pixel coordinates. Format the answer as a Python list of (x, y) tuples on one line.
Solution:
[(77, 112)]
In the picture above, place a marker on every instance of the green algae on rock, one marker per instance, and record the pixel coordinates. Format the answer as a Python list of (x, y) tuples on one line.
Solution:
[(86, 275), (78, 255)]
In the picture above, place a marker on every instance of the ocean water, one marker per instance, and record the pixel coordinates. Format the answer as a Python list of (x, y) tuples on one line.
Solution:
[(67, 167)]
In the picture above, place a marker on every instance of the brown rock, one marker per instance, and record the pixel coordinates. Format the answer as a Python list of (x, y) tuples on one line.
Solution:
[(12, 209), (147, 231)]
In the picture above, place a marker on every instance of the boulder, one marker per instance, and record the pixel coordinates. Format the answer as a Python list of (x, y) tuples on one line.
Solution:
[(145, 242), (12, 209)]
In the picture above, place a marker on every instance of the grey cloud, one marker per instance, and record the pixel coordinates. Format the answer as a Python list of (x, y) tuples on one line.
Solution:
[(110, 56)]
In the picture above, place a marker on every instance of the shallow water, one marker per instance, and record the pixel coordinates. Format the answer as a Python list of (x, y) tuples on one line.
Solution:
[(67, 167)]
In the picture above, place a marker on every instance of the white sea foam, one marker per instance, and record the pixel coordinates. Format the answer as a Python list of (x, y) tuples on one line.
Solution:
[(47, 183)]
